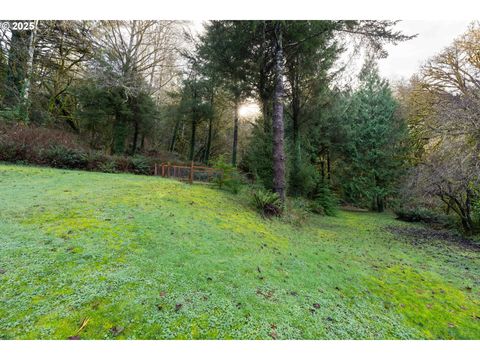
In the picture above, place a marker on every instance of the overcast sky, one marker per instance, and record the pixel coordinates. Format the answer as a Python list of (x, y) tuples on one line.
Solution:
[(433, 35)]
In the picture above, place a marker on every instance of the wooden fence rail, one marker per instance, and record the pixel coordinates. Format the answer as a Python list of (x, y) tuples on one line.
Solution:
[(187, 173)]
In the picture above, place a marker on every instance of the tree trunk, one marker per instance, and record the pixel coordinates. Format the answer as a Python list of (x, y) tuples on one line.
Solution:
[(119, 135), (171, 148), (296, 115), (468, 212), (136, 129), (297, 155), (329, 166), (209, 141), (277, 119), (235, 132), (192, 140), (295, 131), (28, 72), (462, 211), (380, 204), (210, 128)]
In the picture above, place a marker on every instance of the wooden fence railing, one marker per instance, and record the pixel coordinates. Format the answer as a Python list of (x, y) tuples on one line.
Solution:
[(190, 173)]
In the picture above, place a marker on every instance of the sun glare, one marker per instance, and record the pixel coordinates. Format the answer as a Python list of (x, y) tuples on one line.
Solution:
[(249, 110)]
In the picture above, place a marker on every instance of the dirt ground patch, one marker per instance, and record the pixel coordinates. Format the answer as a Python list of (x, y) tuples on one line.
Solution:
[(424, 236)]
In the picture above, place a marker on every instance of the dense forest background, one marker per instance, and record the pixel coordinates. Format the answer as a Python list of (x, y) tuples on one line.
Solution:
[(120, 95)]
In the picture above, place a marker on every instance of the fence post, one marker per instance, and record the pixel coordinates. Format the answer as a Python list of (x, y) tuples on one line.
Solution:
[(168, 169), (155, 171), (191, 173)]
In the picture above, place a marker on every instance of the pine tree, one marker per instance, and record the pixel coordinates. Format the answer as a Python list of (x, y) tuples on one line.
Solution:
[(373, 154)]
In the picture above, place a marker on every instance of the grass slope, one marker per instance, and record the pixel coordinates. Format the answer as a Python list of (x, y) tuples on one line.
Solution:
[(101, 256)]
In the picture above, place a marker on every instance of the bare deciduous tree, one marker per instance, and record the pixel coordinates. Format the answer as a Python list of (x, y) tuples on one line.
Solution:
[(450, 167)]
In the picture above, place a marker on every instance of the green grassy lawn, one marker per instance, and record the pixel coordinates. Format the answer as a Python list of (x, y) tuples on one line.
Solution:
[(103, 256)]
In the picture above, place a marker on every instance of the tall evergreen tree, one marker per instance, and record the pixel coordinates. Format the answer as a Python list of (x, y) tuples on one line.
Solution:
[(373, 154), (223, 50)]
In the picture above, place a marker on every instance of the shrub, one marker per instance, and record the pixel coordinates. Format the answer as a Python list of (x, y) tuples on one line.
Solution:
[(122, 163), (15, 114), (257, 161), (24, 144), (303, 178), (140, 165), (94, 160), (10, 152), (476, 210), (415, 215), (61, 157), (298, 211), (110, 166), (427, 216), (267, 202), (476, 216), (39, 137), (325, 202), (230, 178)]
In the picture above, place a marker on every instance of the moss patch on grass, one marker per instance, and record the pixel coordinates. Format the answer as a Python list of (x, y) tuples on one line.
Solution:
[(429, 303)]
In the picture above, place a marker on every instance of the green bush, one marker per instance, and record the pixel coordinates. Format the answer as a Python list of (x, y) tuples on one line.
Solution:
[(303, 179), (257, 161), (427, 216), (230, 178), (10, 152), (24, 144), (12, 115), (95, 160), (140, 165), (298, 211), (267, 203), (415, 215), (324, 202), (61, 157), (109, 166)]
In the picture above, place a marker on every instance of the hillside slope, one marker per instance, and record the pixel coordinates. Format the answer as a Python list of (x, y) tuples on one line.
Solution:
[(94, 256)]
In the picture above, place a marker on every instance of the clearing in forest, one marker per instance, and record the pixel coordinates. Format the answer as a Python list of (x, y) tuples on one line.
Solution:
[(94, 256)]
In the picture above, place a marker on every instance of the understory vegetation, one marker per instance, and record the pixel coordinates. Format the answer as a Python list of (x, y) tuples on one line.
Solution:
[(39, 146), (152, 258)]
